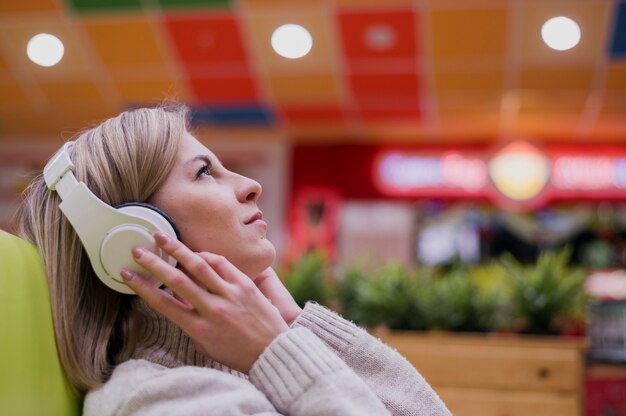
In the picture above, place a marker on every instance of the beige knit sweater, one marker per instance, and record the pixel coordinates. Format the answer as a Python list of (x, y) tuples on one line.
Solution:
[(324, 365)]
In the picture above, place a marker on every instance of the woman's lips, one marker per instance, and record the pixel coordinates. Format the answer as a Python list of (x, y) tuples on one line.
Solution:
[(257, 217)]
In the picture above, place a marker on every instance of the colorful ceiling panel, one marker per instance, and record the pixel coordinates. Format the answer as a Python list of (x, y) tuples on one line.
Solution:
[(413, 70)]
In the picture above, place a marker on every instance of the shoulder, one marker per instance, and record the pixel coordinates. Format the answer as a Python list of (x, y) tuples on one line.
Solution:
[(143, 387)]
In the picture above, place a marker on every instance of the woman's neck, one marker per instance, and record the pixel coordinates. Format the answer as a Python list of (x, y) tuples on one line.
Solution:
[(163, 342)]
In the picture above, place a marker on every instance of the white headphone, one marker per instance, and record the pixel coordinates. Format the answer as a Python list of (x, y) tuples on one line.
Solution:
[(108, 234)]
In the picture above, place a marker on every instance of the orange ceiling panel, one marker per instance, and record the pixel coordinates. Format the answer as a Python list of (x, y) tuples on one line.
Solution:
[(460, 34), (616, 78), (310, 88), (75, 99), (3, 61), (16, 34), (125, 42), (557, 80), (15, 126), (591, 15), (10, 6), (263, 22), (549, 104), (13, 98), (151, 90), (615, 103), (490, 80), (452, 105)]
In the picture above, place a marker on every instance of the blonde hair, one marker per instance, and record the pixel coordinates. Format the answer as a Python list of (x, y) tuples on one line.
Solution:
[(124, 159)]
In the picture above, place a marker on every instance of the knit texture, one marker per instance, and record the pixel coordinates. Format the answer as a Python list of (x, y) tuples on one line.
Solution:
[(324, 365), (394, 380)]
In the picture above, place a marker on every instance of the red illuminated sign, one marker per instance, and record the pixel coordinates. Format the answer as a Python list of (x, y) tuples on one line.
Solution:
[(402, 172), (507, 177)]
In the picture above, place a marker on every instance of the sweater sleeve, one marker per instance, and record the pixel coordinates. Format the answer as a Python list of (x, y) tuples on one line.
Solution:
[(302, 376), (394, 380)]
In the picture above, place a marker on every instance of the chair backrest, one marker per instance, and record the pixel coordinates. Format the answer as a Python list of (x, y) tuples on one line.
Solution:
[(32, 381)]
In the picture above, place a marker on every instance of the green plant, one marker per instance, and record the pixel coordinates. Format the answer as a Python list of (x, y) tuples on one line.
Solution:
[(546, 293), (390, 297), (306, 279), (347, 291), (458, 303)]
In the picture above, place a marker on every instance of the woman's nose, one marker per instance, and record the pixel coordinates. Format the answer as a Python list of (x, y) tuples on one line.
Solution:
[(249, 190)]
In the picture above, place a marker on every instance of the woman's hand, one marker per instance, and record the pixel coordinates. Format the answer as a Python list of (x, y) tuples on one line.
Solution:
[(217, 305), (273, 289)]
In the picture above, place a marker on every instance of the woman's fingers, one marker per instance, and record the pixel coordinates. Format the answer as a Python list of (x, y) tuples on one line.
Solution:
[(158, 299), (192, 262), (171, 277), (225, 269)]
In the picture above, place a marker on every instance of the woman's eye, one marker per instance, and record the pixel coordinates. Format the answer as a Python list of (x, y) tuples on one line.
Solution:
[(204, 171)]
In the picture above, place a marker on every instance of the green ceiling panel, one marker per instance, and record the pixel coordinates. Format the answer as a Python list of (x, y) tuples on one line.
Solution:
[(177, 4), (86, 6)]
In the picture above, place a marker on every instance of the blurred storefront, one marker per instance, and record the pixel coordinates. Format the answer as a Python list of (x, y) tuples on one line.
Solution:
[(438, 205)]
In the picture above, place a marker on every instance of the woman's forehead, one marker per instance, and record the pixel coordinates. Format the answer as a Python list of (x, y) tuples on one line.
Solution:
[(191, 147)]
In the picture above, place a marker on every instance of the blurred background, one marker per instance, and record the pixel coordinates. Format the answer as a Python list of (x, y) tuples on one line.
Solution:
[(431, 165)]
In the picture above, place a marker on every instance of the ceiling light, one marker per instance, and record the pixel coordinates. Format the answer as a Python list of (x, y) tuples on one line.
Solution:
[(380, 37), (45, 49), (292, 41), (560, 33)]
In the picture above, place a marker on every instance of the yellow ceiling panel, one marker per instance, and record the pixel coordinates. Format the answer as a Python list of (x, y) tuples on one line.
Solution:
[(10, 6), (578, 79), (616, 77), (462, 34), (593, 17), (321, 57), (469, 81), (306, 89), (151, 90), (127, 41)]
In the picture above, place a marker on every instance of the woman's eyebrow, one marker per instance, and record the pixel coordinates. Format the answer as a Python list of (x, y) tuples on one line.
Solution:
[(204, 158)]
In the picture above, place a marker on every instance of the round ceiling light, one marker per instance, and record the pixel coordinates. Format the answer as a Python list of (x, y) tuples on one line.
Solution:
[(560, 33), (292, 41), (45, 49), (380, 37)]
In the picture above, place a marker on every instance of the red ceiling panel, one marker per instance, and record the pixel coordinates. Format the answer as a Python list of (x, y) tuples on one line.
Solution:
[(312, 113), (224, 90), (391, 112), (208, 39), (379, 34), (385, 87)]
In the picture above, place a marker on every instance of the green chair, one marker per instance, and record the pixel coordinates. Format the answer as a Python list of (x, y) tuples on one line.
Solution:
[(32, 381)]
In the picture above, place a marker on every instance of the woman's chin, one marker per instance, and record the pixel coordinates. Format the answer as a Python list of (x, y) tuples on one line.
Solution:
[(260, 260)]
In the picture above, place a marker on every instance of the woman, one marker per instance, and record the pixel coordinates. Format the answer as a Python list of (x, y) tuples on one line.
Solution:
[(225, 336)]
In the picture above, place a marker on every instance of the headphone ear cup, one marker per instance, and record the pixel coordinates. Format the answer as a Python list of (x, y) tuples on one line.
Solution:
[(115, 247), (150, 212)]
